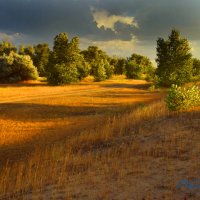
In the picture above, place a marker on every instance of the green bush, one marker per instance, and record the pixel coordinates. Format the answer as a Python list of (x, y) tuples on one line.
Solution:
[(133, 70), (99, 72), (61, 74), (15, 67), (180, 98), (109, 69)]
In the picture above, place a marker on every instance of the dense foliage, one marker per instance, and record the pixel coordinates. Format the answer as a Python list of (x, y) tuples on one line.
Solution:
[(41, 58), (174, 60), (66, 64), (196, 69), (99, 64), (39, 55), (180, 98), (15, 67), (7, 48), (139, 67), (119, 65)]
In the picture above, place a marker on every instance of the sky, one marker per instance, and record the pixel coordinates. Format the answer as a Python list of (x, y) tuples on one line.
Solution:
[(119, 27)]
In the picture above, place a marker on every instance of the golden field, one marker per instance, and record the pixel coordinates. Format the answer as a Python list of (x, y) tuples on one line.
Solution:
[(108, 140)]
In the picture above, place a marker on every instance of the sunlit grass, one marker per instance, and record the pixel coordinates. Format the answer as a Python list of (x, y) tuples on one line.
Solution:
[(112, 140)]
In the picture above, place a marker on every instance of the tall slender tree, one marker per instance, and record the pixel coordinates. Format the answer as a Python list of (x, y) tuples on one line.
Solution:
[(174, 60)]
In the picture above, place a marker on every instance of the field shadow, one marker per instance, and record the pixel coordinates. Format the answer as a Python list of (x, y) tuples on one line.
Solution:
[(16, 85), (124, 85), (41, 112)]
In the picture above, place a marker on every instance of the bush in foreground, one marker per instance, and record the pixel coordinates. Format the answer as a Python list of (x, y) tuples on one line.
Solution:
[(180, 98)]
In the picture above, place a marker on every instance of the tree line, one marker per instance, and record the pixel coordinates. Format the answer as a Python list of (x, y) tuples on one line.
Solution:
[(66, 63)]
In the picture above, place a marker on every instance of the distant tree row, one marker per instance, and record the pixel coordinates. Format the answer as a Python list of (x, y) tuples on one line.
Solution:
[(66, 63)]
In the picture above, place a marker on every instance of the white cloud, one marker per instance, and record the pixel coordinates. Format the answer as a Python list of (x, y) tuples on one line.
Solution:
[(103, 19)]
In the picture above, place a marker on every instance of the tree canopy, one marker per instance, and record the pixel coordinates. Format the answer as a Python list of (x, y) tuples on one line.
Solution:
[(174, 60), (66, 64), (139, 67)]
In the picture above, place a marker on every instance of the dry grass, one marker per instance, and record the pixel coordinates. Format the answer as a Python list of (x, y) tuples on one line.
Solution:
[(96, 144)]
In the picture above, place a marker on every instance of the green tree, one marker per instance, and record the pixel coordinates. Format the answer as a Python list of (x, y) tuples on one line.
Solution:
[(196, 67), (15, 67), (174, 60), (109, 69), (139, 67), (66, 64), (30, 51), (6, 48), (27, 50), (41, 58), (60, 48), (133, 70), (120, 66), (99, 71), (62, 74), (96, 57)]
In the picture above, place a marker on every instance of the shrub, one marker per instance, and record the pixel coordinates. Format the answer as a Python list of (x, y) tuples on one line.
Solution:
[(61, 74), (180, 98), (109, 69), (133, 70), (99, 72), (15, 67)]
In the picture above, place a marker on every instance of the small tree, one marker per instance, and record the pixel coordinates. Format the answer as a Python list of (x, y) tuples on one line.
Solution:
[(139, 67), (133, 70), (98, 63), (174, 60), (109, 69), (120, 67), (99, 72), (196, 67)]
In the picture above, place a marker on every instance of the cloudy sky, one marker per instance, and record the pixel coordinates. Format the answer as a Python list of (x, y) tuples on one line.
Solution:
[(120, 27)]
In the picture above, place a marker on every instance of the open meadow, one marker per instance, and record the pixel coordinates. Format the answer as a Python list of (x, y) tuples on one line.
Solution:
[(109, 140)]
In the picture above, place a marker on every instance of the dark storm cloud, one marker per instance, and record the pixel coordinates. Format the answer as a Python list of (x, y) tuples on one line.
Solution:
[(41, 20), (157, 17), (45, 18)]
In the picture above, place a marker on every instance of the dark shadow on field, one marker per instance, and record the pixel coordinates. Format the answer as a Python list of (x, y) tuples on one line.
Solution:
[(142, 95), (42, 112), (124, 85), (27, 112), (16, 85), (38, 112), (106, 84), (98, 112)]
